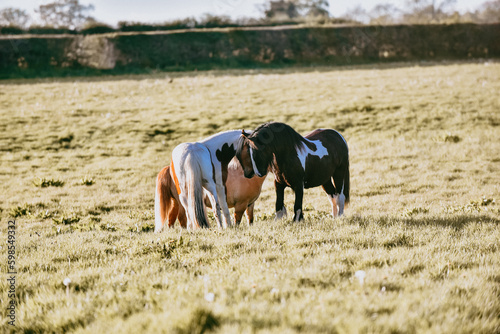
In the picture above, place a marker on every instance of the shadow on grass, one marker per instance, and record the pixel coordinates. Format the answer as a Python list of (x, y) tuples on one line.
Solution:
[(134, 73), (456, 222)]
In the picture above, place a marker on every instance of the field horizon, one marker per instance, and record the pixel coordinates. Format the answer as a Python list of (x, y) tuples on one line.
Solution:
[(417, 249)]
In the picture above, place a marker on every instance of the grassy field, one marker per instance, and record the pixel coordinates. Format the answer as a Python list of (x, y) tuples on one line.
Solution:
[(77, 169)]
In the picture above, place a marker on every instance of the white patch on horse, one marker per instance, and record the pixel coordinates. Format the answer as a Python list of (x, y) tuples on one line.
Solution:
[(304, 151), (297, 215), (255, 170), (338, 203), (280, 214)]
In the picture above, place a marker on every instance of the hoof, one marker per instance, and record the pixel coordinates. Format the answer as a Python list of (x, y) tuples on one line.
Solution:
[(280, 214), (298, 216)]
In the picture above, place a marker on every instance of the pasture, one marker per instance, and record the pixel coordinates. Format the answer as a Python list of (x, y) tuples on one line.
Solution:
[(78, 164)]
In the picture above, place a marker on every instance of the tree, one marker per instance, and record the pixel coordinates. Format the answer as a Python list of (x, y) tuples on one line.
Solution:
[(357, 14), (428, 11), (65, 13), (384, 14), (14, 17), (281, 9), (489, 12), (315, 7), (291, 9)]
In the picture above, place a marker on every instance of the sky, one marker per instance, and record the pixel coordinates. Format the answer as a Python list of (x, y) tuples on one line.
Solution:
[(158, 11)]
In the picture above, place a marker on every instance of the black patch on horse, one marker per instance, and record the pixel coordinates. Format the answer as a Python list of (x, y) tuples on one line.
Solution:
[(225, 154)]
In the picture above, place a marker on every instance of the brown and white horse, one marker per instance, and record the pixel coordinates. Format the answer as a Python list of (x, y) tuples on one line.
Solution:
[(241, 194), (321, 158)]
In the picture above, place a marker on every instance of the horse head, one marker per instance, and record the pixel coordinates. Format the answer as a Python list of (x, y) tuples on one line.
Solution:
[(252, 155)]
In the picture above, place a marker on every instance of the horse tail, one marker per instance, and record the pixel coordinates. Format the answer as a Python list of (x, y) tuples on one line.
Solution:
[(195, 196), (346, 182), (163, 198)]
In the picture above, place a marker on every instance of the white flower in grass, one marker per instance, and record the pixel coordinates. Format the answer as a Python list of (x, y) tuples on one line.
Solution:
[(360, 275), (67, 281), (209, 297)]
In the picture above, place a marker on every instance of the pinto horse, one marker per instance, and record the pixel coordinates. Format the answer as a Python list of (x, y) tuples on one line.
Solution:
[(241, 194), (203, 166), (321, 158)]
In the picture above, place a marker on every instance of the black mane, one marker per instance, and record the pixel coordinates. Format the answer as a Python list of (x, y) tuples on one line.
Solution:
[(277, 137)]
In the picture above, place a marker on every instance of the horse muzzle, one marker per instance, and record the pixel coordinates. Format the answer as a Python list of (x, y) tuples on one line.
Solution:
[(249, 174)]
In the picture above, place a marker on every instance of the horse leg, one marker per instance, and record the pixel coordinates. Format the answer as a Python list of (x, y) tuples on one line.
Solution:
[(182, 217), (249, 214), (212, 195), (280, 200), (174, 212), (226, 216), (184, 202), (238, 214), (338, 180), (297, 208), (329, 188)]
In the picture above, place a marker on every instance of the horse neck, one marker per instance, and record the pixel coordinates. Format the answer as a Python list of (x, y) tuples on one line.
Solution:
[(283, 149), (235, 175)]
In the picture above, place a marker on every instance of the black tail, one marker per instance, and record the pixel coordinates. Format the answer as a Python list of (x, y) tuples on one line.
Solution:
[(346, 181)]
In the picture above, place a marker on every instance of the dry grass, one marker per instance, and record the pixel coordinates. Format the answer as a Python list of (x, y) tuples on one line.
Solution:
[(79, 160)]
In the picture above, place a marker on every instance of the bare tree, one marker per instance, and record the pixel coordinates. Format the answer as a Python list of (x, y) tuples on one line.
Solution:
[(65, 13), (384, 14), (489, 12), (428, 11), (14, 17), (357, 14)]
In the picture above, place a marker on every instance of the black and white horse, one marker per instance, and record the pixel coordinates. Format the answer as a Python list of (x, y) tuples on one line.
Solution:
[(202, 167), (321, 158)]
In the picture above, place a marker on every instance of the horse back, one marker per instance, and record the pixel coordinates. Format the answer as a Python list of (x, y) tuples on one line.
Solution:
[(332, 140), (318, 171)]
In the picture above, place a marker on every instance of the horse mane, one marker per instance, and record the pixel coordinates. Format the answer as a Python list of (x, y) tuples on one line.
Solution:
[(283, 139), (239, 146)]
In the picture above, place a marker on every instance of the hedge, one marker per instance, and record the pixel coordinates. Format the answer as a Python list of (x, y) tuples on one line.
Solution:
[(247, 48)]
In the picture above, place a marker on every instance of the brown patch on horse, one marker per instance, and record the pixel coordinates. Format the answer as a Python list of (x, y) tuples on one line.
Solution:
[(174, 176)]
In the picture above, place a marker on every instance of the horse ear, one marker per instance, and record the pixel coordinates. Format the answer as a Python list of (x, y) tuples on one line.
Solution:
[(243, 133)]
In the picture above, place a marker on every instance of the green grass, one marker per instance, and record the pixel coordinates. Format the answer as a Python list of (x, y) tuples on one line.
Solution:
[(423, 222)]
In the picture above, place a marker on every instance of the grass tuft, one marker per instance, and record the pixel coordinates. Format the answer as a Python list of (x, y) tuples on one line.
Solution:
[(142, 227), (66, 219), (20, 210), (414, 211), (477, 206), (87, 181), (450, 138), (45, 182)]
